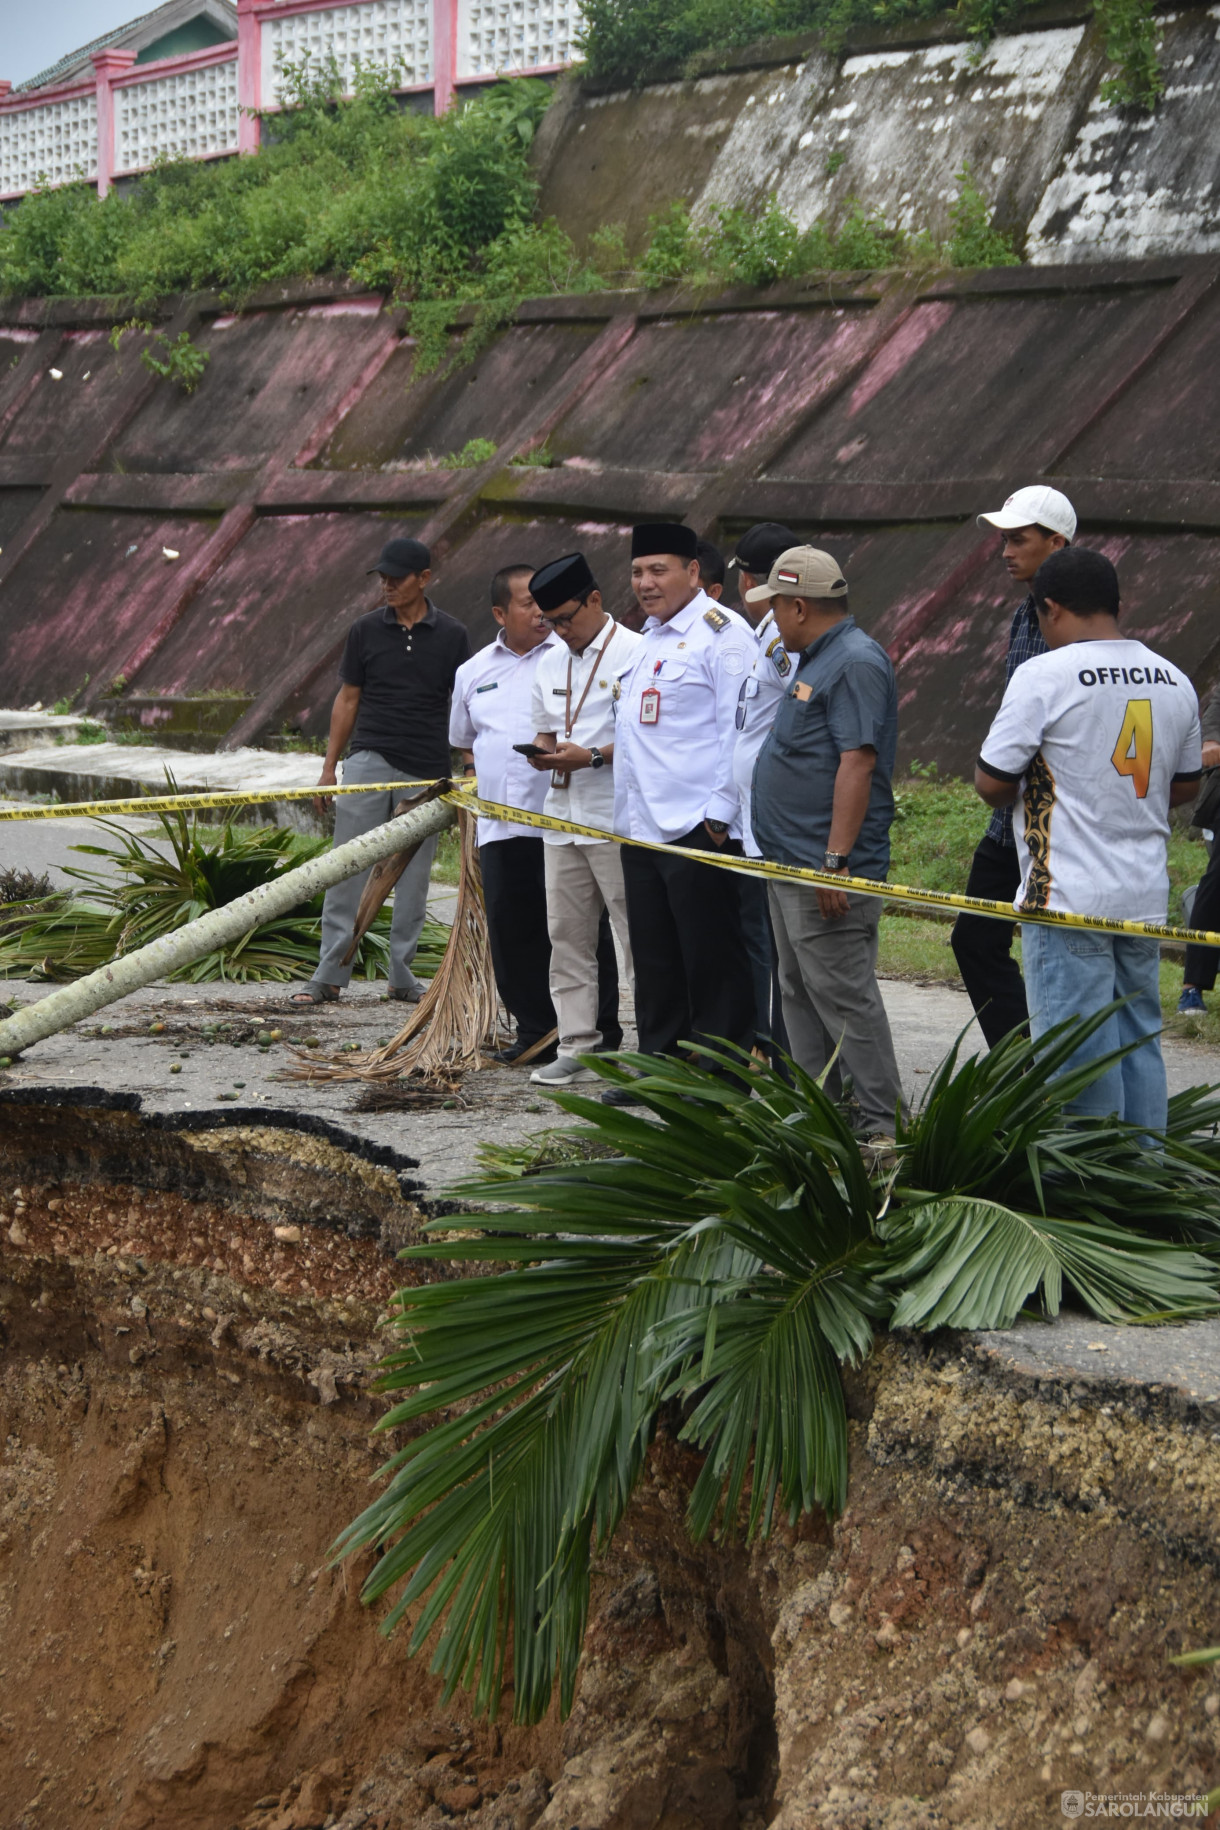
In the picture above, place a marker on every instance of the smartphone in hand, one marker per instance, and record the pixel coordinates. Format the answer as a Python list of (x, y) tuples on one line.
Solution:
[(530, 749)]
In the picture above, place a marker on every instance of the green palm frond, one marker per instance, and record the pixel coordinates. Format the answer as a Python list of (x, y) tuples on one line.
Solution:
[(492, 1514), (963, 1262), (717, 1254), (156, 886)]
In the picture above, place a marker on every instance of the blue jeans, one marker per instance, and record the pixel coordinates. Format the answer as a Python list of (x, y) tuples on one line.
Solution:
[(1070, 973)]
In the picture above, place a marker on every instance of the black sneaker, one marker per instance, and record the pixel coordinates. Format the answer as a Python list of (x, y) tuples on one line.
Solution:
[(621, 1096), (515, 1050)]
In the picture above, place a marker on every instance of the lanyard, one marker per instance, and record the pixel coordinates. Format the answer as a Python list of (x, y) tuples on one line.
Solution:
[(570, 716)]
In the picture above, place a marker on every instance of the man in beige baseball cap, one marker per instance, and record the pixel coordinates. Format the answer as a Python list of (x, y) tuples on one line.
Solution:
[(822, 798), (1034, 523), (800, 572)]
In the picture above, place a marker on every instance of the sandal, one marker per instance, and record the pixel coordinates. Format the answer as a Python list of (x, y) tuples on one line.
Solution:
[(316, 994)]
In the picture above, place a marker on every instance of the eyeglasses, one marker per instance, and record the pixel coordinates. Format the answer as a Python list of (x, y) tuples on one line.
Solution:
[(568, 616)]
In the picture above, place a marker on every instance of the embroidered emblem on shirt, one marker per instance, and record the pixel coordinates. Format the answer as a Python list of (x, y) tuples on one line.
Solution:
[(777, 654), (734, 663), (716, 619)]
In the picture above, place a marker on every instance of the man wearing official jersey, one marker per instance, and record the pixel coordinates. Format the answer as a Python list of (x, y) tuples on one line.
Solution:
[(1095, 741), (673, 785)]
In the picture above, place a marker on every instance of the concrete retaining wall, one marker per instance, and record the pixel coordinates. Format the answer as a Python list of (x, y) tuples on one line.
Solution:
[(890, 119), (219, 542)]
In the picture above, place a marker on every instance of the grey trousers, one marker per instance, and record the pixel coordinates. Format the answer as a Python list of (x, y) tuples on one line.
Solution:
[(580, 880), (356, 814), (828, 980)]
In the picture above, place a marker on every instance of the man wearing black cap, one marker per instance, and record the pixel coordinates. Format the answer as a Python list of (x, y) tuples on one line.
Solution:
[(673, 766), (397, 670), (573, 716), (757, 551)]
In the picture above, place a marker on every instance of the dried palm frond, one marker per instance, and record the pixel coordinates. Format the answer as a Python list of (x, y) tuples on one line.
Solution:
[(455, 1022)]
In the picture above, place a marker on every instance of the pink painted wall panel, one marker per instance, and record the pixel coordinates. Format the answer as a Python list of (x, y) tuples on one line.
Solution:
[(86, 593), (687, 391), (1167, 424), (399, 420), (965, 387), (290, 578), (62, 407), (265, 379)]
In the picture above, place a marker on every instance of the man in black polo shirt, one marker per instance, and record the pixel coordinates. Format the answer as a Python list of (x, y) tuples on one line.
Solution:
[(393, 707)]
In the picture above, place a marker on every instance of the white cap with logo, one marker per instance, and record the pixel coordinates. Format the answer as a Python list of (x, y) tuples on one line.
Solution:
[(1035, 506)]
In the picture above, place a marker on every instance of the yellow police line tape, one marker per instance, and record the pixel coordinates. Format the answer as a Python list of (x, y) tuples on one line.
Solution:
[(901, 893), (889, 892), (170, 803)]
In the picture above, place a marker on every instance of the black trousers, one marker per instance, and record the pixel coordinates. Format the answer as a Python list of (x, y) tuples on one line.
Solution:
[(983, 948), (692, 973), (769, 1031), (1201, 962), (514, 892)]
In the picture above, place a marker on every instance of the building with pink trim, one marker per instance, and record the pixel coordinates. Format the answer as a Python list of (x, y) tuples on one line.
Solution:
[(192, 78)]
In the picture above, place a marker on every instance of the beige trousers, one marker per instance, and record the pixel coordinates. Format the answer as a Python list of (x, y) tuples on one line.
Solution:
[(580, 879)]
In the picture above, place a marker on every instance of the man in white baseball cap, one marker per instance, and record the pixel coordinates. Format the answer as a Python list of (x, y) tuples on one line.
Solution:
[(1034, 523)]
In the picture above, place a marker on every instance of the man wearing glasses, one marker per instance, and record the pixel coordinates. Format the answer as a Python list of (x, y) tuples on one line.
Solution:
[(573, 716)]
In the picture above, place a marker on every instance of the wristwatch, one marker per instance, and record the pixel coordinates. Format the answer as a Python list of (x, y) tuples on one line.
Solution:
[(596, 759), (836, 861), (716, 825)]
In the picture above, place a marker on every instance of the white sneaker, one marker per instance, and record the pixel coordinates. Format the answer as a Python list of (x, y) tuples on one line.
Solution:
[(561, 1072)]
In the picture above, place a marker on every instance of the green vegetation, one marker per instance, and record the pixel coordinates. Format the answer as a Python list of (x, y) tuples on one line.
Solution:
[(158, 884), (710, 1277), (629, 41), (440, 213), (181, 361), (474, 452)]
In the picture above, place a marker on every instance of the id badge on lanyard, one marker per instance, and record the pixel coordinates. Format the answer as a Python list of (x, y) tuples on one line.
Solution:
[(650, 706)]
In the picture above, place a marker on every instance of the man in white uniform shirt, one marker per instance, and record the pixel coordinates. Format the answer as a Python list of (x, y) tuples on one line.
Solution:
[(1093, 744), (761, 691), (490, 713), (573, 716), (675, 733)]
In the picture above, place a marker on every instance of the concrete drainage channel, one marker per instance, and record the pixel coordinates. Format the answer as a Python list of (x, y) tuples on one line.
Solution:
[(189, 1308)]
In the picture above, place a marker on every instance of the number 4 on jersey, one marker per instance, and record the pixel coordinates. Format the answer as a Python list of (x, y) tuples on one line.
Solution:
[(1133, 751)]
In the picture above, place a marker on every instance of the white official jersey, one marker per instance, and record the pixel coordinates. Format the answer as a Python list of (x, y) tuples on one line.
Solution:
[(490, 713), (757, 702), (1096, 733), (675, 723)]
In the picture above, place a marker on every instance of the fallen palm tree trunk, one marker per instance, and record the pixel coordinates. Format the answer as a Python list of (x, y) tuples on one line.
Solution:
[(221, 927), (455, 1022)]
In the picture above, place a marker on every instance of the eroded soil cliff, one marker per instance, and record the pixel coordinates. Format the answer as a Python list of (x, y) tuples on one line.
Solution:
[(186, 1403)]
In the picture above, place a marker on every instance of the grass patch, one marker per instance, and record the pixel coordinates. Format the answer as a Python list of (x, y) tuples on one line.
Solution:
[(446, 866)]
